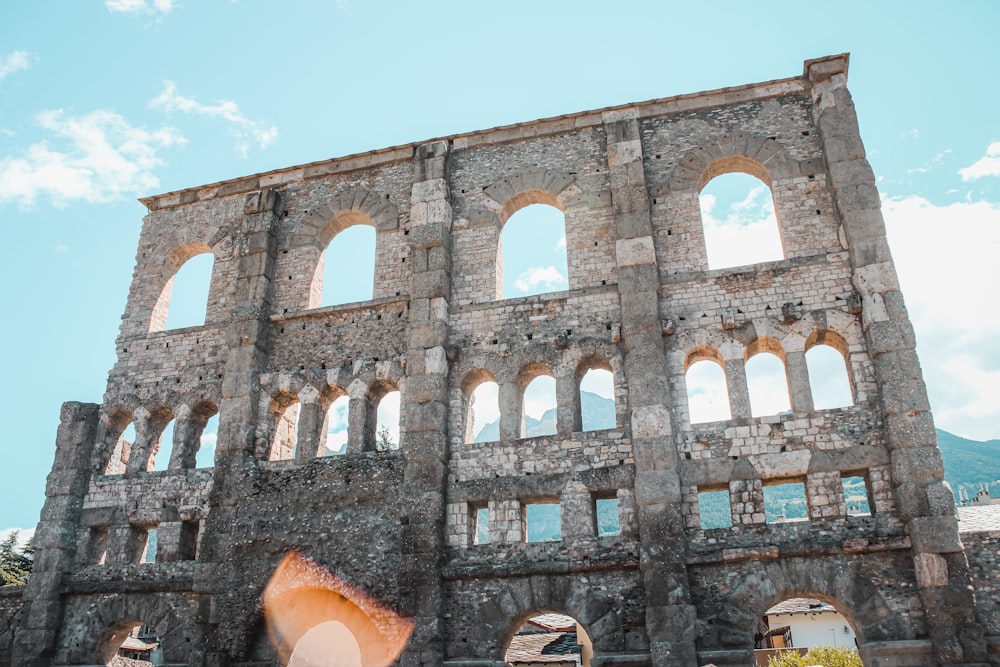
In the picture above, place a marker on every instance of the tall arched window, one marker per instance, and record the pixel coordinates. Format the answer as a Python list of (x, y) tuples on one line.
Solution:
[(482, 402), (538, 407), (767, 384), (707, 390), (161, 455), (597, 396), (205, 458), (740, 223), (183, 301), (532, 253), (122, 449), (828, 376), (384, 406), (336, 428), (348, 265)]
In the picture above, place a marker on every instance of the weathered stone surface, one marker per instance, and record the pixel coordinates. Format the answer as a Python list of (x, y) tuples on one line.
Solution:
[(397, 522)]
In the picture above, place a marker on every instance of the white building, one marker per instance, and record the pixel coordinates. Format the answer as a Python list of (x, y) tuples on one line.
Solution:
[(811, 623)]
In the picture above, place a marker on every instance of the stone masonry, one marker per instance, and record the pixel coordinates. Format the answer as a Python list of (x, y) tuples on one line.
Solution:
[(403, 525)]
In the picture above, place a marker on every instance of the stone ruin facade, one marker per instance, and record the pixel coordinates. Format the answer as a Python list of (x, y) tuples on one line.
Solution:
[(403, 526)]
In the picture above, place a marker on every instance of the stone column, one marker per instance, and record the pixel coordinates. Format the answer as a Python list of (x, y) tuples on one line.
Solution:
[(670, 616), (425, 440), (799, 391), (924, 502), (739, 394), (310, 424), (568, 415), (55, 536), (247, 342), (511, 419)]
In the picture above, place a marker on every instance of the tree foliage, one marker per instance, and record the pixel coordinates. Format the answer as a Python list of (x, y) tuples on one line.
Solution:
[(15, 564), (825, 656)]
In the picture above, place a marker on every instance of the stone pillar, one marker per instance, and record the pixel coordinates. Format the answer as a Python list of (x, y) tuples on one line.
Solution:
[(924, 502), (55, 536), (799, 390), (247, 342), (138, 458), (568, 415), (576, 509), (511, 419), (670, 616), (311, 416), (187, 433), (739, 394), (425, 440)]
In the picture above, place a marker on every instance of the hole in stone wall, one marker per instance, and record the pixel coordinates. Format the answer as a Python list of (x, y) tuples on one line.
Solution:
[(767, 385), (186, 298), (479, 513), (538, 407), (149, 548), (349, 266), (597, 400), (484, 413), (739, 220), (857, 496), (337, 422), (707, 392), (828, 379), (606, 515), (785, 501), (714, 510), (542, 521), (533, 252)]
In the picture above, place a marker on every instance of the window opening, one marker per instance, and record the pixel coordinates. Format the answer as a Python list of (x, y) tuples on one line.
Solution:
[(785, 502), (533, 252), (387, 422), (857, 497), (349, 266), (542, 521), (160, 456), (828, 379), (99, 545), (551, 638), (707, 392), (188, 291), (714, 510), (285, 433), (606, 516), (739, 220), (337, 423), (539, 407), (480, 515), (808, 623), (597, 400), (123, 447), (149, 549), (767, 384), (187, 547), (205, 457), (484, 413), (329, 644)]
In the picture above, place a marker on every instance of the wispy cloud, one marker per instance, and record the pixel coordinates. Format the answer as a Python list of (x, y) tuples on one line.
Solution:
[(139, 7), (548, 276), (961, 364), (14, 62), (244, 129), (561, 243), (988, 165), (930, 164), (100, 156), (745, 232)]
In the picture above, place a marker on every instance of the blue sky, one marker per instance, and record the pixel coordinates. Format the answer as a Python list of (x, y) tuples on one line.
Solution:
[(102, 102)]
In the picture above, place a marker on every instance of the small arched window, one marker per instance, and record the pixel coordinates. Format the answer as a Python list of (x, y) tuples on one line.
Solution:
[(347, 265), (122, 449), (482, 407), (767, 384), (538, 406), (162, 452), (532, 254), (828, 376), (205, 457), (597, 396), (707, 390), (183, 301), (336, 426), (740, 223), (387, 421)]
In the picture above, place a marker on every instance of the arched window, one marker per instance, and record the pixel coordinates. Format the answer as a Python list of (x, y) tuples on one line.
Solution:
[(183, 301), (532, 255), (122, 449), (205, 457), (740, 223), (285, 409), (161, 453), (347, 266), (482, 402), (767, 384), (538, 406), (828, 375), (384, 402), (336, 426), (597, 396), (532, 642), (707, 390)]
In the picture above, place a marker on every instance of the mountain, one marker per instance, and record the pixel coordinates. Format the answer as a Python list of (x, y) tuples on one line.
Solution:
[(969, 463)]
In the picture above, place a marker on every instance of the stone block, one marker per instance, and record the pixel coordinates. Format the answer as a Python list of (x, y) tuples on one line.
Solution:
[(918, 464), (935, 534), (634, 251)]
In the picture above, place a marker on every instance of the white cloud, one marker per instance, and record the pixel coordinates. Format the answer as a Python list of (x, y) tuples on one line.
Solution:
[(745, 232), (139, 6), (989, 165), (101, 158), (15, 62), (62, 249), (561, 243), (946, 260), (241, 127), (533, 278)]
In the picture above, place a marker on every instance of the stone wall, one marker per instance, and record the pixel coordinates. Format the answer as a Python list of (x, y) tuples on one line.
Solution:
[(402, 528)]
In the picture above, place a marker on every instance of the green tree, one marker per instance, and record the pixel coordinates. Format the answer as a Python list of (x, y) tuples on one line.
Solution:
[(15, 565), (826, 656)]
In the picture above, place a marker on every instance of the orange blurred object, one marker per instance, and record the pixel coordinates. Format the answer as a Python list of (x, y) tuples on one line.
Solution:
[(316, 618)]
